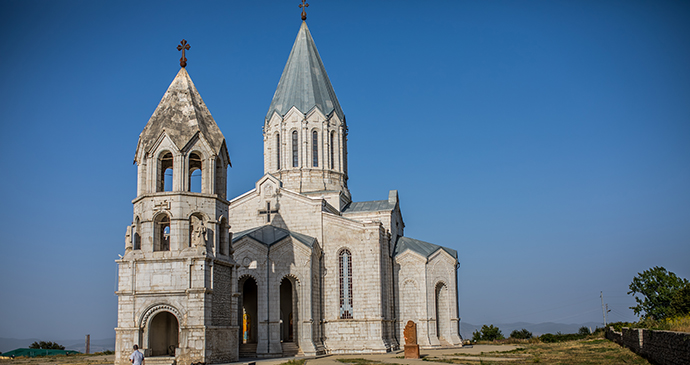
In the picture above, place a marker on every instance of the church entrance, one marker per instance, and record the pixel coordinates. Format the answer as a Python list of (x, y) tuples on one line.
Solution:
[(442, 314), (163, 334), (248, 315), (288, 309)]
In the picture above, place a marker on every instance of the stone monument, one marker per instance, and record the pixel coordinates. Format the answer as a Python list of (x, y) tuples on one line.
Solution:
[(411, 346)]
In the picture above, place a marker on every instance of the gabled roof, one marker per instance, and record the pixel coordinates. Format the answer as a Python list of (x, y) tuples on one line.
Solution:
[(425, 249), (370, 206), (304, 83), (182, 113), (268, 235)]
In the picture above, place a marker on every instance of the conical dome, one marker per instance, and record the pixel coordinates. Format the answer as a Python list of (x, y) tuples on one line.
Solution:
[(304, 83), (181, 114)]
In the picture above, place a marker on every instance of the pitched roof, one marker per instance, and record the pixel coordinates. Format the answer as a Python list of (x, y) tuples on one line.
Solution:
[(268, 235), (182, 113), (369, 206), (425, 249), (304, 83)]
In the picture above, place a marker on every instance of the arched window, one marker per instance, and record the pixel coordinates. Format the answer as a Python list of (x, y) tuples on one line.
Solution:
[(345, 265), (315, 148), (194, 173), (165, 172), (332, 150), (278, 151), (162, 233), (136, 236), (295, 149)]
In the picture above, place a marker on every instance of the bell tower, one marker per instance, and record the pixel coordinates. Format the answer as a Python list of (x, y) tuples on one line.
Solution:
[(177, 275), (305, 134)]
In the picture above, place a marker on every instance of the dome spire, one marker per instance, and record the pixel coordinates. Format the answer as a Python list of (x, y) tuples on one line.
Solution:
[(182, 47), (304, 5)]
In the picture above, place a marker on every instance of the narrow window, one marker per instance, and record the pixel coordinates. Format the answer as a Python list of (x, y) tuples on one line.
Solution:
[(221, 177), (136, 237), (194, 173), (165, 172), (222, 237), (315, 148), (278, 151), (332, 150), (162, 233), (345, 284), (295, 150)]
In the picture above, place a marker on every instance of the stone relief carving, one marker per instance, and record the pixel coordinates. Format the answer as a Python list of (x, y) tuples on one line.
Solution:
[(199, 235)]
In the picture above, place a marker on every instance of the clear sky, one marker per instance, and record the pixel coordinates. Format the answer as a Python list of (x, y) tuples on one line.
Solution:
[(547, 141)]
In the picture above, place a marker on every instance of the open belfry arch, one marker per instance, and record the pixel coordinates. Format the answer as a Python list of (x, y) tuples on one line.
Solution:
[(293, 266)]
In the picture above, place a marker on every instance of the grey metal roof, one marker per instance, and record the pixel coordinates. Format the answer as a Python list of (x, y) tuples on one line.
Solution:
[(425, 249), (181, 113), (370, 206), (304, 83), (268, 235)]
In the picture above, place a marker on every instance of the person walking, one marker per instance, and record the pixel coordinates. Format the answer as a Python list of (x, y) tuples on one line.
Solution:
[(136, 358)]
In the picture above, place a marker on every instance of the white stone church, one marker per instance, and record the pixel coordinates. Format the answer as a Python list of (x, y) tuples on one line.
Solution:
[(293, 266)]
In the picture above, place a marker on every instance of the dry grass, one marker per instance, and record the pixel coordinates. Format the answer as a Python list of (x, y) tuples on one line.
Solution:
[(80, 359), (594, 352)]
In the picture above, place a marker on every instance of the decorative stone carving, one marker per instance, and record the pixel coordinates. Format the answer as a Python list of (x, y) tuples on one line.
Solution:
[(128, 239), (199, 233), (411, 346)]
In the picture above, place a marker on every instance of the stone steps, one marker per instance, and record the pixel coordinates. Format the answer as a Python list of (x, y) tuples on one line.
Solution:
[(160, 360), (247, 350), (290, 349)]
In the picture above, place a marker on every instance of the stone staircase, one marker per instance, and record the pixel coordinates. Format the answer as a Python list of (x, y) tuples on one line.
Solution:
[(160, 360), (247, 350), (290, 349)]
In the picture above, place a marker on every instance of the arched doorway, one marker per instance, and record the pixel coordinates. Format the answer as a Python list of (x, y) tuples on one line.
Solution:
[(248, 312), (442, 313), (288, 311), (163, 334)]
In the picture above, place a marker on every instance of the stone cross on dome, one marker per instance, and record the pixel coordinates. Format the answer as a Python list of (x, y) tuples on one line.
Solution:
[(304, 5), (182, 47)]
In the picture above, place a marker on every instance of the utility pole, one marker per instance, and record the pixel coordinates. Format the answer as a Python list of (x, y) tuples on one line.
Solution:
[(603, 311)]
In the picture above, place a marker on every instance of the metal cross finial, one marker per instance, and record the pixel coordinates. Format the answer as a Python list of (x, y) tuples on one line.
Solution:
[(304, 7), (182, 47)]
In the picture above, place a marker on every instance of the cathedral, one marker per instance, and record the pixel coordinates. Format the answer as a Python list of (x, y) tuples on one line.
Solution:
[(293, 266)]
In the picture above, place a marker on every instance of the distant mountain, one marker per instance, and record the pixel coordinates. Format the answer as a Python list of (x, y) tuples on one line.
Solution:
[(97, 345), (537, 329)]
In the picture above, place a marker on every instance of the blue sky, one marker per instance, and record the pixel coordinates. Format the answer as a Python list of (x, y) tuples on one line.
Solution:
[(548, 142)]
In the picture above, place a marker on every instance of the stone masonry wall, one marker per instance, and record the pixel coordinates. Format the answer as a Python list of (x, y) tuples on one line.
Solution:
[(659, 347)]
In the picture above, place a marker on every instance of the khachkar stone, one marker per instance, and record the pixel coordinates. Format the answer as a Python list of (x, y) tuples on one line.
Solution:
[(411, 346)]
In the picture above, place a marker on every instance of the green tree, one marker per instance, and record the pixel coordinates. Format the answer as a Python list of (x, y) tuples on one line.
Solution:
[(487, 333), (46, 346), (583, 331), (522, 334), (657, 288)]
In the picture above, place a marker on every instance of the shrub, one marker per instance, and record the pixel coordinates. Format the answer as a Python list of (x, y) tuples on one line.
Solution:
[(488, 333), (583, 331), (522, 334)]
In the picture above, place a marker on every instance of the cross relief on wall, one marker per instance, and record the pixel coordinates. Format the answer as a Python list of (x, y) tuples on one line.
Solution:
[(268, 212)]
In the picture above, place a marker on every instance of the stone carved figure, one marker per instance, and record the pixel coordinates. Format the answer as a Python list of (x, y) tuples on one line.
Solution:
[(128, 238), (411, 346), (198, 232)]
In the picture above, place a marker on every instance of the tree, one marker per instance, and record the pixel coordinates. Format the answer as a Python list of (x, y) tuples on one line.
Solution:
[(657, 288), (46, 346), (488, 333), (583, 331), (522, 334)]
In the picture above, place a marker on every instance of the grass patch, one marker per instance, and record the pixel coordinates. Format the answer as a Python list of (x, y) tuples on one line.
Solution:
[(294, 362), (592, 352)]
